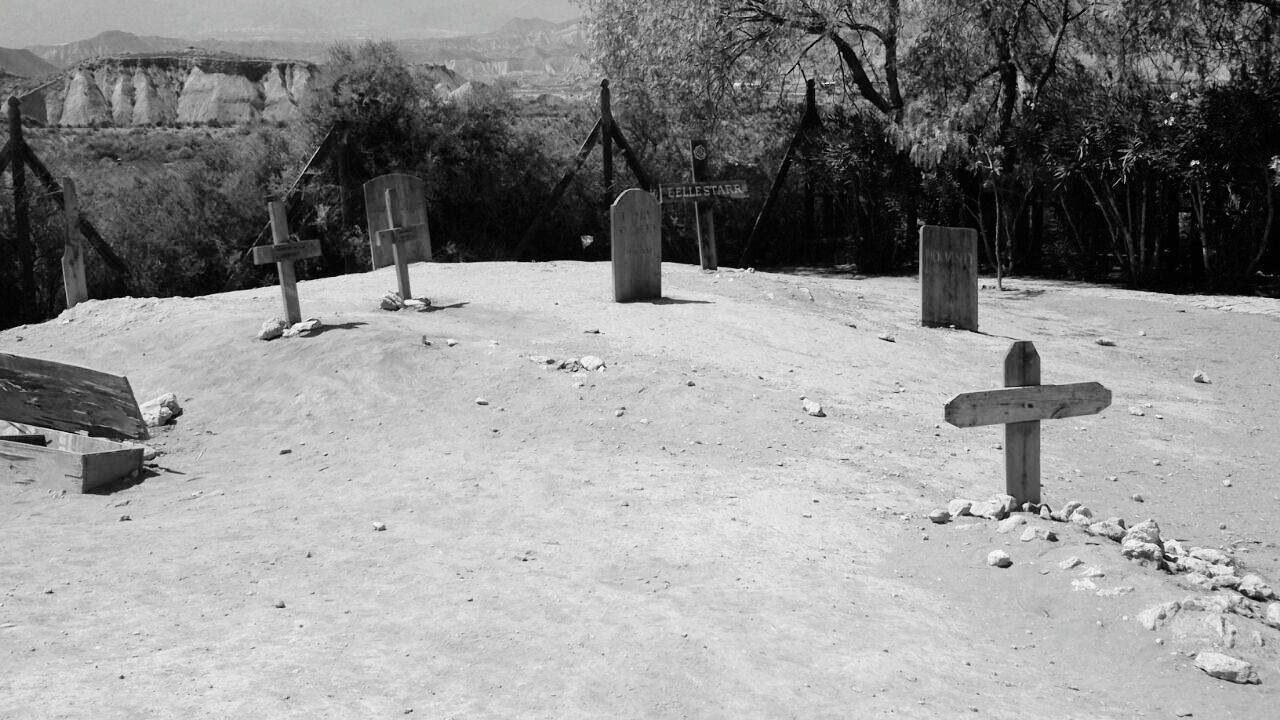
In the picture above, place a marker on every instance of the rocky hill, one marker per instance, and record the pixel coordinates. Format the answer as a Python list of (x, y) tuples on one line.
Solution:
[(187, 87), (24, 63)]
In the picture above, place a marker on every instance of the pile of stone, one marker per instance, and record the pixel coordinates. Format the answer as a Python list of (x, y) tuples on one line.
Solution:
[(274, 328), (393, 302), (588, 363)]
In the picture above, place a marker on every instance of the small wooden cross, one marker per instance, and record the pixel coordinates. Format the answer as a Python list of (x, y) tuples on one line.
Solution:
[(1020, 407), (398, 237), (284, 253)]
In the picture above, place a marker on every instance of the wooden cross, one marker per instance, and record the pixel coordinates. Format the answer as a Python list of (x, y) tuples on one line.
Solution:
[(398, 237), (700, 189), (1020, 407), (284, 253)]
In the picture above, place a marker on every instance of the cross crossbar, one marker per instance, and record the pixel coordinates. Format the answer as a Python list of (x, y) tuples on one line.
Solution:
[(1024, 404)]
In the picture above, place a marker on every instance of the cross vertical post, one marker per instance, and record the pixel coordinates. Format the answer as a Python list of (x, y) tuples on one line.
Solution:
[(1022, 439), (394, 223), (74, 284), (288, 280)]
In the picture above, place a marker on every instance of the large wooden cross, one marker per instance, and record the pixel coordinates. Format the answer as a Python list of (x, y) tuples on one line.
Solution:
[(284, 253), (1020, 406), (399, 236), (701, 189)]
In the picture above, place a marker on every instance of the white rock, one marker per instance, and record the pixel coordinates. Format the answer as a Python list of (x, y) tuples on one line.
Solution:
[(1039, 533), (1217, 557), (1201, 377), (1255, 588), (1112, 529), (1082, 516), (1084, 584), (812, 407), (272, 329), (1136, 411), (379, 526), (1070, 563), (1010, 524), (391, 301), (1226, 668), (940, 517), (1092, 571), (1273, 615), (887, 337), (1152, 617), (481, 401), (590, 363), (1144, 552), (959, 507), (999, 558), (1106, 342), (1116, 591), (1006, 502), (1174, 548), (161, 410), (1064, 514), (1146, 531), (541, 359)]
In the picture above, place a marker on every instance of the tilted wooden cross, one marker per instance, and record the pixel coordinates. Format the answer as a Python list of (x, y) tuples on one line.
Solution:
[(284, 254), (398, 237), (1020, 406)]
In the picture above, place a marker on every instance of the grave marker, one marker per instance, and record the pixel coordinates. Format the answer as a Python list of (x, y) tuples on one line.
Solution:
[(949, 277), (400, 238), (702, 189), (74, 283), (1020, 407), (411, 196), (636, 223), (284, 254)]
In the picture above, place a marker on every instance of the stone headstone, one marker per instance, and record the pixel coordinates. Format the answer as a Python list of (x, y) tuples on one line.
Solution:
[(411, 194), (636, 221), (949, 277)]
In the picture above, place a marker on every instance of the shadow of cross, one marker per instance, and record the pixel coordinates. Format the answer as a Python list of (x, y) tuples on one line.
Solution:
[(1020, 407), (284, 254), (398, 236)]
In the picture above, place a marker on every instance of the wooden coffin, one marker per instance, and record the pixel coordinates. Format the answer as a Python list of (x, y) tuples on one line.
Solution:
[(75, 463), (85, 418)]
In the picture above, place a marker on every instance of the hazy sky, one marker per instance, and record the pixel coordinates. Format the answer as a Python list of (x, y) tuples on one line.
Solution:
[(48, 22)]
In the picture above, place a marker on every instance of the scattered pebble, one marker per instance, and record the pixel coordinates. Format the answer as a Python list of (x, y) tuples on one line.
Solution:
[(379, 527), (1201, 377), (1137, 497), (1038, 533), (999, 558), (280, 604), (940, 517), (125, 518), (450, 342), (591, 363), (272, 329), (1136, 411), (887, 337), (1070, 563), (481, 401), (812, 407), (1106, 342)]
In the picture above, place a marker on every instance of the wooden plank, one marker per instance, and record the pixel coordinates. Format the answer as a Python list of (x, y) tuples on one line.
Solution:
[(1022, 439), (704, 216), (1024, 404), (74, 283), (695, 191), (398, 248), (412, 194), (288, 280), (286, 252), (636, 246), (402, 235), (26, 439), (949, 277), (68, 398)]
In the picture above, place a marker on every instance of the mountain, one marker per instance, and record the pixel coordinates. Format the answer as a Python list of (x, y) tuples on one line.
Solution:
[(110, 43), (24, 63)]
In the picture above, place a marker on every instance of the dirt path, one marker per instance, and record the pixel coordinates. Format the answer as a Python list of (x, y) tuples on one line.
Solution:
[(671, 537)]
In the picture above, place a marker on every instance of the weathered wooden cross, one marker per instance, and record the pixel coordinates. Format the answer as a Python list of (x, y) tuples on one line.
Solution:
[(1020, 406), (701, 189), (284, 253), (400, 237)]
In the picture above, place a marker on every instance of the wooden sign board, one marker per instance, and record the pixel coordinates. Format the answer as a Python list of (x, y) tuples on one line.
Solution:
[(411, 195), (949, 277), (636, 223), (1020, 407), (696, 191), (286, 252), (72, 399)]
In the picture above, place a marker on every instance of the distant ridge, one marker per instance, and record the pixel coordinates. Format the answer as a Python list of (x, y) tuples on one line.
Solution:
[(24, 63)]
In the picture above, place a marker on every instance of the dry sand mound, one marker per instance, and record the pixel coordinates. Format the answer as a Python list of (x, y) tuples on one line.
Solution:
[(671, 536)]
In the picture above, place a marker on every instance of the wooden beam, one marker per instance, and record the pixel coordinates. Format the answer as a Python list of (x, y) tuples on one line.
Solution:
[(1022, 439), (395, 220), (74, 283), (288, 281), (286, 252), (1025, 404)]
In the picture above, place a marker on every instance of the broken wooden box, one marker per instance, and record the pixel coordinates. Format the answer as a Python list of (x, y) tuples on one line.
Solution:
[(66, 427)]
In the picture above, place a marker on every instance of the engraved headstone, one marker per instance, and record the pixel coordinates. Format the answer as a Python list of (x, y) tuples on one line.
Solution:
[(411, 195), (949, 277), (636, 221)]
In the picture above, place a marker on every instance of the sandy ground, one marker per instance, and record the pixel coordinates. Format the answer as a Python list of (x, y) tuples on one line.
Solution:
[(672, 537)]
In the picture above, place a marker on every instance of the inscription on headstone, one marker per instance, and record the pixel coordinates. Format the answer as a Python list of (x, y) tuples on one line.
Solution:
[(949, 277), (636, 222)]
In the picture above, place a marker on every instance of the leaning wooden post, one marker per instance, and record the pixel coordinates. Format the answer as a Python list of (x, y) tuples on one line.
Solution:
[(704, 217), (21, 210), (606, 140), (284, 253), (395, 222), (1022, 439), (74, 283)]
